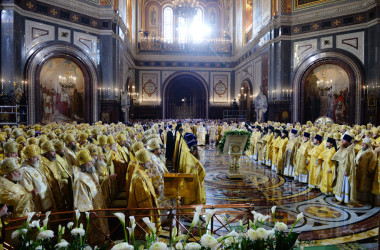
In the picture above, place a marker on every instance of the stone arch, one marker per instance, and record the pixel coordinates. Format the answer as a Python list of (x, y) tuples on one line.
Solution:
[(350, 64), (202, 101), (43, 54)]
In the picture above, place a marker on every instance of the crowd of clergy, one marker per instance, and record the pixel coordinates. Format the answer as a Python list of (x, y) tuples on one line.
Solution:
[(339, 160), (62, 167)]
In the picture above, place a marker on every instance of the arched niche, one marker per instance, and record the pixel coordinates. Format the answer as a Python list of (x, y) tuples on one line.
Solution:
[(312, 93), (61, 51)]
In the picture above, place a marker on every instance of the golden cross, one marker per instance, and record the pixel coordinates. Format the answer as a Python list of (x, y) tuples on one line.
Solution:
[(94, 23), (360, 18), (337, 22), (296, 30), (316, 26), (54, 12), (75, 18), (29, 5)]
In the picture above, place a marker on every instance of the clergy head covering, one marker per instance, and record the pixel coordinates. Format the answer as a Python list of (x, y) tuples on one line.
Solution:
[(271, 128), (2, 138), (9, 165), (142, 156), (330, 140), (294, 131), (84, 156), (20, 139), (347, 137), (30, 151), (153, 144), (306, 134), (318, 137), (32, 141), (121, 137), (367, 141), (31, 133), (102, 139), (358, 138), (93, 150), (277, 131), (59, 145), (337, 136), (110, 140), (69, 138), (137, 146), (16, 133), (285, 132), (83, 136), (37, 127), (10, 147), (47, 146)]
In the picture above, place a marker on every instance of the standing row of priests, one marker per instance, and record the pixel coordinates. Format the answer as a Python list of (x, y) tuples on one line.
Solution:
[(337, 159)]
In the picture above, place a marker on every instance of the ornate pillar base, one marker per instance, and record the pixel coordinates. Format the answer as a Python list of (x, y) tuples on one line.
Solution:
[(234, 172)]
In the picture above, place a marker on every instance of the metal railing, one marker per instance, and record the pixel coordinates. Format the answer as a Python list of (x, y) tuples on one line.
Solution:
[(180, 217), (14, 114), (235, 115)]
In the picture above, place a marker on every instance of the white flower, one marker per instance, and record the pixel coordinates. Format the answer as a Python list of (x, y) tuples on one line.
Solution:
[(70, 225), (122, 246), (87, 248), (158, 246), (209, 214), (198, 209), (195, 219), (132, 220), (131, 230), (30, 216), (262, 233), (78, 231), (121, 217), (208, 241), (24, 231), (256, 217), (151, 226), (300, 216), (271, 233), (15, 234), (77, 214), (192, 246), (87, 215), (35, 223), (263, 218), (252, 234), (281, 226), (47, 234), (179, 246), (274, 209), (233, 233), (62, 244)]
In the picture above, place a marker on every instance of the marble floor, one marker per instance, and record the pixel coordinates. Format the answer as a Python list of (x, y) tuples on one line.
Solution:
[(325, 222)]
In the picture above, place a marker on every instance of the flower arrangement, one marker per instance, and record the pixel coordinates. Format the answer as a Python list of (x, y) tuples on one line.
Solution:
[(250, 236), (31, 235), (235, 132)]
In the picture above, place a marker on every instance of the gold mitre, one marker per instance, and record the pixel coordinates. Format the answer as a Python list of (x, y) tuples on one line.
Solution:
[(84, 156), (30, 151), (93, 149), (9, 165), (10, 147), (47, 146), (137, 146), (142, 156)]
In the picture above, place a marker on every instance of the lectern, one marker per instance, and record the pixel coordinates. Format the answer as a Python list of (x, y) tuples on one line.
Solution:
[(178, 185), (234, 146)]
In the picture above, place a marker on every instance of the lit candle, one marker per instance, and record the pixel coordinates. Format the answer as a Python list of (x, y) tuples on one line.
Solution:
[(2, 86)]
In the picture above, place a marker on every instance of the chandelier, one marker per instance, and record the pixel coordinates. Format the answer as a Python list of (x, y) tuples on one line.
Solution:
[(324, 84), (185, 8), (68, 81)]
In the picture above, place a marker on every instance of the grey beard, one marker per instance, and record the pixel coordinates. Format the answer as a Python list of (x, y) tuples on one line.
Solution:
[(90, 170), (51, 158), (35, 164), (100, 163), (74, 148)]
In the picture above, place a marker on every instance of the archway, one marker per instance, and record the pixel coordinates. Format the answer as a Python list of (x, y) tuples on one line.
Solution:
[(185, 96), (78, 60), (328, 84)]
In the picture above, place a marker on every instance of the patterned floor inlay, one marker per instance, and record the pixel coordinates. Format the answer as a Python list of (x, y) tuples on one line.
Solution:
[(325, 221)]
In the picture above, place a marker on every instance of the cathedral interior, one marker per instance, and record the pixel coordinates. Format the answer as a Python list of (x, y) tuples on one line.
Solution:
[(287, 61)]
